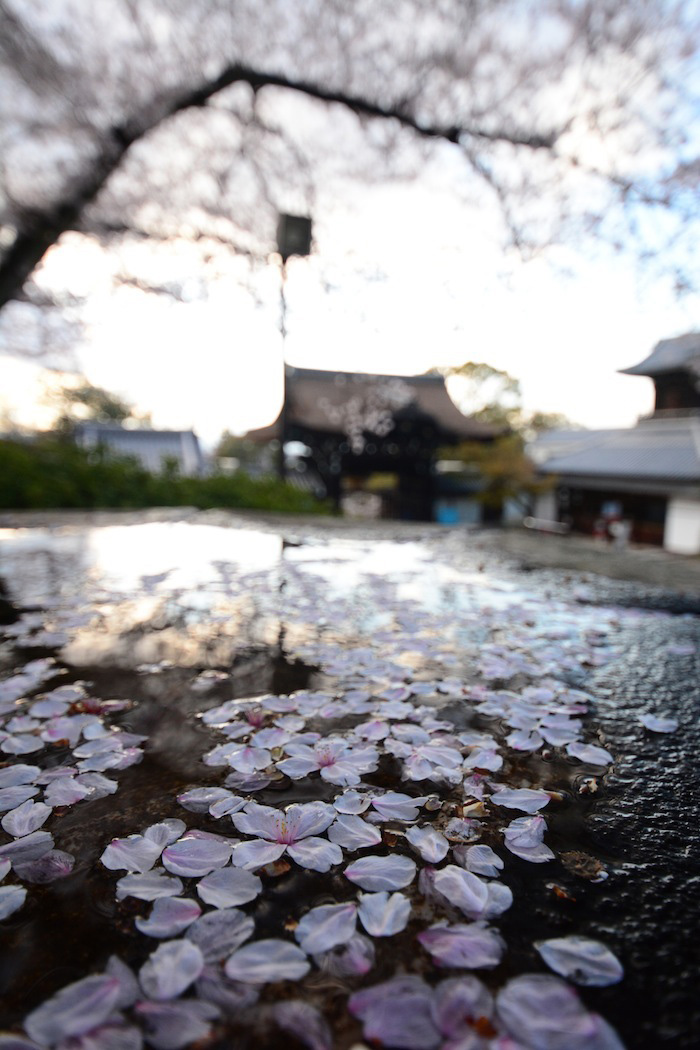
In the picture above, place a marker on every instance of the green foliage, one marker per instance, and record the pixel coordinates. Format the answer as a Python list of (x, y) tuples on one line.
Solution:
[(505, 470), (49, 473)]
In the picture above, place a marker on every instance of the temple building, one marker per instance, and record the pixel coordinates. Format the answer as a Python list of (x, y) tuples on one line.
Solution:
[(646, 477), (358, 437)]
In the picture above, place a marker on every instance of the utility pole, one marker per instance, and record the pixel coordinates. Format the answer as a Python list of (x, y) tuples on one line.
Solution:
[(293, 238)]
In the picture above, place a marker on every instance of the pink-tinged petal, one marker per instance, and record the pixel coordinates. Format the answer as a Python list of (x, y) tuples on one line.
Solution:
[(659, 723), (534, 854), (481, 860), (315, 854), (229, 887), (28, 848), (134, 853), (352, 802), (218, 933), (171, 969), (308, 818), (192, 856), (149, 886), (11, 900), (56, 864), (267, 961), (396, 806), (226, 806), (483, 758), (15, 794), (353, 959), (169, 917), (249, 759), (174, 1025), (20, 773), (460, 1002), (166, 831), (382, 873), (581, 960), (129, 990), (539, 1010), (352, 832), (5, 866), (66, 792), (109, 1036), (213, 986), (525, 799), (430, 843), (76, 1009), (296, 768), (262, 821), (469, 947), (99, 786), (397, 1013), (526, 831), (326, 927), (25, 818), (17, 1042), (305, 1023), (383, 915), (522, 740), (21, 744), (198, 800), (463, 889), (590, 753), (256, 853)]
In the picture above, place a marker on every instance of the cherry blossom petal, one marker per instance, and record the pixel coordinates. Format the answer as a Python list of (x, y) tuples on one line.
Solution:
[(581, 960), (25, 818), (462, 889), (66, 791), (430, 843), (170, 969), (218, 933), (224, 807), (110, 1036), (459, 1002), (376, 873), (149, 886), (5, 866), (352, 832), (11, 900), (264, 822), (304, 1022), (481, 860), (543, 1011), (15, 794), (298, 767), (309, 818), (76, 1009), (315, 854), (325, 927), (198, 800), (134, 853), (28, 848), (165, 832), (267, 961), (169, 917), (174, 1025), (525, 799), (396, 806), (192, 856), (470, 947), (352, 959), (659, 723), (352, 802), (256, 853), (213, 986), (229, 887), (397, 1013), (55, 864), (383, 915), (590, 753)]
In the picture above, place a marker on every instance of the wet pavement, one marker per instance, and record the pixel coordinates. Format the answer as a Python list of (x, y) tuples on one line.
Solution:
[(176, 617)]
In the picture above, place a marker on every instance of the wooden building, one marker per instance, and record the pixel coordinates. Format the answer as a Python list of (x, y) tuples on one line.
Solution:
[(375, 434)]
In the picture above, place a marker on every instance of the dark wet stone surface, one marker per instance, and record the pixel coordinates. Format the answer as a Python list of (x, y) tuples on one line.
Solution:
[(641, 823)]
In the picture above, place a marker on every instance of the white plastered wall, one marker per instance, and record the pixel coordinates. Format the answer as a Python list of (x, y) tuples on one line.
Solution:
[(682, 529)]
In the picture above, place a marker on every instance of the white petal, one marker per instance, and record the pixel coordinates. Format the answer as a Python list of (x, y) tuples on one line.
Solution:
[(352, 832), (351, 802), (193, 856), (396, 806), (315, 854), (169, 917), (382, 873), (74, 1010), (228, 887), (134, 853), (525, 799), (149, 886), (11, 899), (171, 969), (471, 947), (269, 960), (26, 818), (166, 831), (659, 724), (256, 853), (591, 753), (429, 842), (383, 915), (581, 960), (325, 927), (218, 933)]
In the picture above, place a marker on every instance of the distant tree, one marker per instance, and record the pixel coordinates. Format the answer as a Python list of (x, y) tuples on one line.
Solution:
[(84, 402), (506, 471), (165, 119), (251, 457)]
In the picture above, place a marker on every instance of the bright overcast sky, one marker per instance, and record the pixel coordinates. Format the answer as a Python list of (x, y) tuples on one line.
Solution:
[(562, 324)]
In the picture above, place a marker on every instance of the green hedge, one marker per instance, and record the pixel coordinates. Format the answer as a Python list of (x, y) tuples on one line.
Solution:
[(49, 473)]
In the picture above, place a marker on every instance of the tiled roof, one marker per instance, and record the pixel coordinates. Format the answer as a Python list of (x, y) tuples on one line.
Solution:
[(670, 355), (656, 450)]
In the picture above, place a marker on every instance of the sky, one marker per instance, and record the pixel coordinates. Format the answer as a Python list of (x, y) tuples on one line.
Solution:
[(418, 280)]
